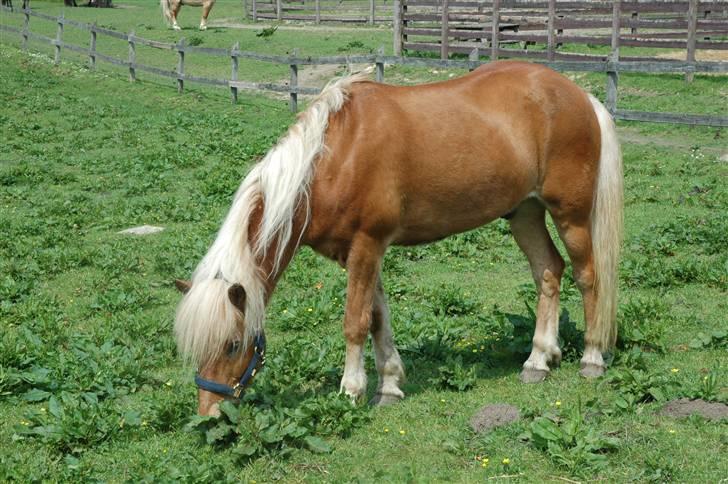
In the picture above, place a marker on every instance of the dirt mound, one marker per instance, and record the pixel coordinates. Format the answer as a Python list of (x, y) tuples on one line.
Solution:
[(492, 416), (685, 407)]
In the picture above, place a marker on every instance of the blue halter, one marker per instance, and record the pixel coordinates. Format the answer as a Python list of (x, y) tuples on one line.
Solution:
[(256, 364)]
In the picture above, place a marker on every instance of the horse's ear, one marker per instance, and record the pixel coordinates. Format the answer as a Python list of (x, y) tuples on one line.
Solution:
[(183, 286), (236, 293)]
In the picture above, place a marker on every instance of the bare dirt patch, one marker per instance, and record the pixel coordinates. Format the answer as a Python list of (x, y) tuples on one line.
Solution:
[(232, 23), (492, 416), (707, 55), (684, 408)]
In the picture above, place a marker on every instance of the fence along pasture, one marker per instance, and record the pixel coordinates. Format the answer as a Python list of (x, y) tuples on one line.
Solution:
[(537, 29), (612, 66), (318, 11)]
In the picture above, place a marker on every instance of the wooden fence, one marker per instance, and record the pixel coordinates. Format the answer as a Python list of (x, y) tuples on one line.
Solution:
[(611, 67), (318, 11), (538, 29)]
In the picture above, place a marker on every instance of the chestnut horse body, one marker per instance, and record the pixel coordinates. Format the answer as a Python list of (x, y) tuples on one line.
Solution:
[(369, 165), (171, 8)]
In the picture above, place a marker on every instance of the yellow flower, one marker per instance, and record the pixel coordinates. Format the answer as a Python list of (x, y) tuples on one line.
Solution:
[(672, 431), (442, 400), (310, 309), (402, 432), (558, 403), (675, 370), (386, 429), (506, 461)]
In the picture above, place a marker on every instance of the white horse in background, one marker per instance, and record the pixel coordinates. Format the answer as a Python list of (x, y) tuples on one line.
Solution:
[(170, 9)]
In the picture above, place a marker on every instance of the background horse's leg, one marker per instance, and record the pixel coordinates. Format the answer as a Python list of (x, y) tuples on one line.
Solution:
[(206, 7), (528, 226), (389, 364), (362, 265), (176, 6), (576, 235)]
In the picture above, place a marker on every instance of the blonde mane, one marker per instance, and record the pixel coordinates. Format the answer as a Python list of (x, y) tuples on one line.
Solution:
[(206, 320)]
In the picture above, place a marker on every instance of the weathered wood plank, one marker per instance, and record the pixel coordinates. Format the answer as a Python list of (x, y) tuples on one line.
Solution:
[(673, 118)]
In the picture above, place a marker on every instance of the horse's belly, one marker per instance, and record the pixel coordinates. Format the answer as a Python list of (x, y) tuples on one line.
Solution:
[(436, 217)]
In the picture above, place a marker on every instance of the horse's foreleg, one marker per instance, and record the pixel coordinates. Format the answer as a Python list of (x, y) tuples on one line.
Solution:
[(389, 364), (362, 265), (206, 7), (529, 229)]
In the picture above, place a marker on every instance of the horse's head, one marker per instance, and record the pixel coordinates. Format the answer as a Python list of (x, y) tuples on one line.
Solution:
[(210, 330)]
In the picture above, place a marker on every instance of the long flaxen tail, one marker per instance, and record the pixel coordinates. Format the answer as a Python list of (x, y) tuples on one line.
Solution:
[(607, 221), (166, 12)]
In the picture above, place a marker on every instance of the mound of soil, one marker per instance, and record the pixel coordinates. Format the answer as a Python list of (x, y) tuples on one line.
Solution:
[(684, 408), (492, 416)]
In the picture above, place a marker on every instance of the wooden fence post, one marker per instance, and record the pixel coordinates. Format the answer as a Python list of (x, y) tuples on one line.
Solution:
[(612, 74), (92, 48), (550, 26), (397, 27), (380, 65), (445, 31), (317, 6), (59, 39), (234, 72), (371, 12), (495, 31), (279, 10), (473, 58), (245, 9), (254, 12), (26, 26), (293, 86), (692, 28), (181, 65), (132, 57)]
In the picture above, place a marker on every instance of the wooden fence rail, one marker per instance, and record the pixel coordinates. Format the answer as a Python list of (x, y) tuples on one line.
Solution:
[(611, 67), (538, 30), (318, 11)]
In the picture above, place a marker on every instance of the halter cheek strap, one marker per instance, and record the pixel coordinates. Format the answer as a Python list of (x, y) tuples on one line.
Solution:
[(256, 364)]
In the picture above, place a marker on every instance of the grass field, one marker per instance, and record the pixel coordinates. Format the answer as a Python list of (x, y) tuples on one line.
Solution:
[(91, 387)]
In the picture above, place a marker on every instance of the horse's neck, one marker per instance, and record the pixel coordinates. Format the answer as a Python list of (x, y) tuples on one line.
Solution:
[(267, 266)]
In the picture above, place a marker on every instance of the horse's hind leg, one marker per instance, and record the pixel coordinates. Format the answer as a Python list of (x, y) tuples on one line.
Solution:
[(176, 5), (528, 226), (389, 364), (206, 7), (362, 264), (576, 235)]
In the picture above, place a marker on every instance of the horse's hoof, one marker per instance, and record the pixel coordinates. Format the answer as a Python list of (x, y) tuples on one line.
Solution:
[(177, 27), (384, 400), (531, 375), (590, 371)]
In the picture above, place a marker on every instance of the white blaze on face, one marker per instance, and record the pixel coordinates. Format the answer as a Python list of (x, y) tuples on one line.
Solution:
[(214, 410)]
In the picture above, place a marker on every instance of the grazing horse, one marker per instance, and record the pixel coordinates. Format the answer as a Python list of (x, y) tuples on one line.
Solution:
[(369, 165), (170, 9)]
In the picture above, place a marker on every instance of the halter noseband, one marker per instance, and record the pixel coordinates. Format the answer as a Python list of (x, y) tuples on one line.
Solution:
[(256, 364)]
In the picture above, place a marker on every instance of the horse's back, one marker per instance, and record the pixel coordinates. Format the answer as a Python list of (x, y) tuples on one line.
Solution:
[(426, 161)]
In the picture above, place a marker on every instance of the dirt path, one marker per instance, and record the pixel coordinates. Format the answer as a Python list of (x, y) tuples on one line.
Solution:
[(631, 135), (232, 23)]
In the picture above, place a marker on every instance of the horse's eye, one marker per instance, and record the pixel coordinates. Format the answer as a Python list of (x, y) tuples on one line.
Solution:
[(233, 348)]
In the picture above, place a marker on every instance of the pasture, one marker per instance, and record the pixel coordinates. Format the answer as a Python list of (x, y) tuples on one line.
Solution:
[(91, 387)]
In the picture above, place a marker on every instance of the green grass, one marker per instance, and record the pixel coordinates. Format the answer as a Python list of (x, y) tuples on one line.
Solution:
[(91, 387)]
